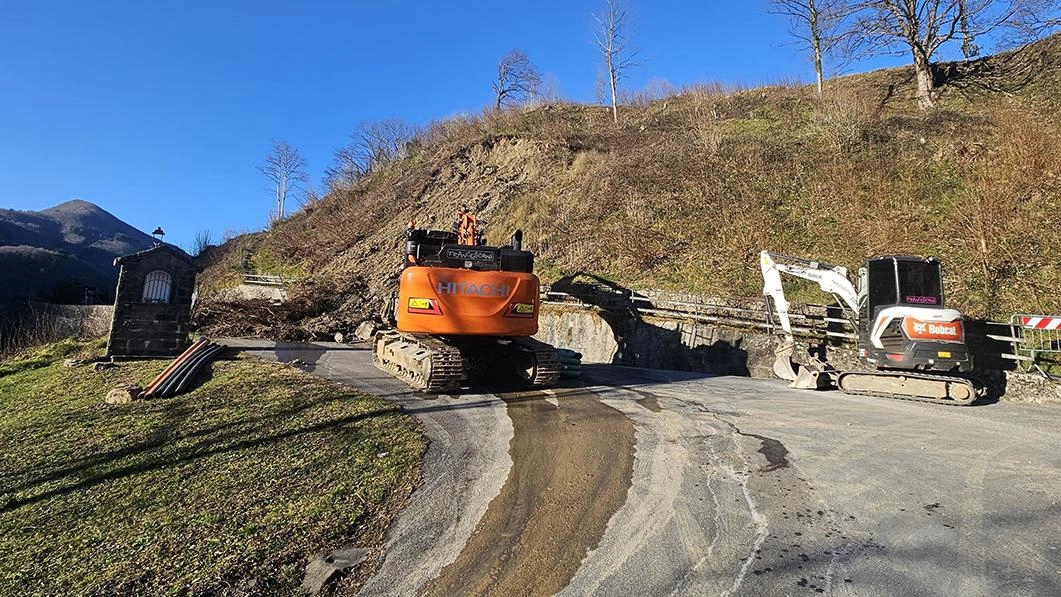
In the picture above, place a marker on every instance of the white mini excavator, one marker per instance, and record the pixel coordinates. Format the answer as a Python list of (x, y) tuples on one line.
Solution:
[(913, 345)]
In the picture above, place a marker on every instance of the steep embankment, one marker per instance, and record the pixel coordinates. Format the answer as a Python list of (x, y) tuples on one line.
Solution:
[(686, 191)]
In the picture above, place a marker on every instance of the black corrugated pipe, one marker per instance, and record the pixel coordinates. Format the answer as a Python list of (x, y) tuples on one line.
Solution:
[(189, 376)]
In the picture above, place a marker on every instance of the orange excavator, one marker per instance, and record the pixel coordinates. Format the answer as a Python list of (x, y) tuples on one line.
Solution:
[(465, 308)]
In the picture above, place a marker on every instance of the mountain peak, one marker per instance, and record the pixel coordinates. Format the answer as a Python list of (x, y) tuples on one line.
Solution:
[(76, 207)]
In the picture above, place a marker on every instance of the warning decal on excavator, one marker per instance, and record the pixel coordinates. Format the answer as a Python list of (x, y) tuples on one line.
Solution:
[(423, 305), (521, 310)]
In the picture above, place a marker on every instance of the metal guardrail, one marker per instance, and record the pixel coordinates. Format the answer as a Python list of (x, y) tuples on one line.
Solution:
[(263, 280), (810, 321), (1032, 346)]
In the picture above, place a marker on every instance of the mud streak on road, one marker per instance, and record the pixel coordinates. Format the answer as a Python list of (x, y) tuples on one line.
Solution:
[(571, 469)]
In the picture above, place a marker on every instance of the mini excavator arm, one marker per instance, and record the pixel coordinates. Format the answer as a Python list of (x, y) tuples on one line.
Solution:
[(830, 278)]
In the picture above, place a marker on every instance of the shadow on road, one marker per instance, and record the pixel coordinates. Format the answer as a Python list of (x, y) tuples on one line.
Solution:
[(642, 343)]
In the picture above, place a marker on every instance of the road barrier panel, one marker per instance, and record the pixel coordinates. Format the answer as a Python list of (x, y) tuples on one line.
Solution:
[(1036, 341)]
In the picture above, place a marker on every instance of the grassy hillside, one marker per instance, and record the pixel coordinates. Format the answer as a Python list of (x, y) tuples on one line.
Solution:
[(687, 189), (226, 490)]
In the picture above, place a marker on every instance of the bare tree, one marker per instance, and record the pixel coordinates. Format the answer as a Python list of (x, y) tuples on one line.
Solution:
[(202, 240), (549, 89), (384, 141), (922, 27), (346, 168), (374, 145), (310, 197), (818, 26), (1036, 19), (517, 79), (613, 42), (286, 170)]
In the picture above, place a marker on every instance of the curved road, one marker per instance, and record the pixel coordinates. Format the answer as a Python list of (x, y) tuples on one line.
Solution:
[(643, 482)]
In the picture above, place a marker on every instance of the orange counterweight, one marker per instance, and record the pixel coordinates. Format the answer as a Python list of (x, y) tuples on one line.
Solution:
[(451, 301)]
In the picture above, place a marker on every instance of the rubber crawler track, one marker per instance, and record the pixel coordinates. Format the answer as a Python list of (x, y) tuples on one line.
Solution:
[(974, 393), (444, 367)]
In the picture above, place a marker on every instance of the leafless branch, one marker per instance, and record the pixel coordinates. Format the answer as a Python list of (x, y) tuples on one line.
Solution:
[(613, 41), (517, 79), (374, 145), (922, 27), (819, 26), (286, 170)]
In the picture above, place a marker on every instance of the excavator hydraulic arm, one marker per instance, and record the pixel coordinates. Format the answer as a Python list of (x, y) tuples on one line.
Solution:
[(831, 279)]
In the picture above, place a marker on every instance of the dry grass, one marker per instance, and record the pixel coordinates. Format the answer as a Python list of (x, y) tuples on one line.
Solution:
[(687, 189)]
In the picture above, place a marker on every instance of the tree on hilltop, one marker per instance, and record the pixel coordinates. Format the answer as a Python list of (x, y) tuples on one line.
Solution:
[(375, 144), (922, 27), (517, 79), (613, 41), (286, 170), (819, 26)]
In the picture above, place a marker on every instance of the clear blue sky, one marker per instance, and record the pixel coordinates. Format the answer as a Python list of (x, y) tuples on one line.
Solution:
[(160, 111)]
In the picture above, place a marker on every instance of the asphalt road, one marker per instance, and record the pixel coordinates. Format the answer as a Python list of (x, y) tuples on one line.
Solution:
[(644, 482)]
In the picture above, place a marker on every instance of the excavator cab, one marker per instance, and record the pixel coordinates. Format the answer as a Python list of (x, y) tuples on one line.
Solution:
[(899, 280), (908, 325)]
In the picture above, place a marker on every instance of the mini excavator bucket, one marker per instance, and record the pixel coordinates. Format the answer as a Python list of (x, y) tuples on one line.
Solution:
[(783, 365), (800, 376), (811, 379)]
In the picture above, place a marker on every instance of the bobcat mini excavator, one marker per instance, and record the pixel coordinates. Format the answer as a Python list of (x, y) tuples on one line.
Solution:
[(465, 308), (915, 346)]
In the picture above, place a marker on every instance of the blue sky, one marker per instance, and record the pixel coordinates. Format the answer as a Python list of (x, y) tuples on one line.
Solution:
[(160, 112)]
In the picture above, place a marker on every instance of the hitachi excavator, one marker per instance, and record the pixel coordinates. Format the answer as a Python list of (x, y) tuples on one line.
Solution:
[(914, 344), (464, 308)]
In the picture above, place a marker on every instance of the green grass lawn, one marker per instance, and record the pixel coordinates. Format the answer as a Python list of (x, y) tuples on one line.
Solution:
[(226, 490)]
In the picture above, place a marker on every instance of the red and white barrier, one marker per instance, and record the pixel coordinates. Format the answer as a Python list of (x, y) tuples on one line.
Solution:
[(1040, 323)]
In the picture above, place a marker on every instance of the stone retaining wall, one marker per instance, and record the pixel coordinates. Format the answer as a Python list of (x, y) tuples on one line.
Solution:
[(622, 337)]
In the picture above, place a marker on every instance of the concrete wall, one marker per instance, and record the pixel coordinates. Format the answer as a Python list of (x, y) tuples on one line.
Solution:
[(623, 338), (245, 292)]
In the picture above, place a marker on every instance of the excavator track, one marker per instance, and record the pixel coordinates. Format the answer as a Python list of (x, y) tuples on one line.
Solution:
[(423, 362), (906, 385), (543, 369), (437, 364)]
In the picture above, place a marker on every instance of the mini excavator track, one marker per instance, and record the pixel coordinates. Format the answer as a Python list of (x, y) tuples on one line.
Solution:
[(907, 385)]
